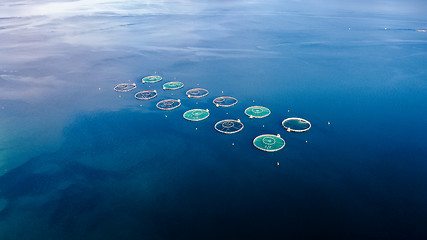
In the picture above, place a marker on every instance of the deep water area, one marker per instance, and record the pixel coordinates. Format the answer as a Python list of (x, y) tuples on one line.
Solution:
[(79, 160)]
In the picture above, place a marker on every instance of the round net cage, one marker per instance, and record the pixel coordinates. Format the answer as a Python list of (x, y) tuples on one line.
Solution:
[(229, 126), (257, 112), (145, 95), (196, 114), (296, 125), (197, 93), (168, 104), (269, 142), (225, 101), (173, 85), (125, 87), (151, 79)]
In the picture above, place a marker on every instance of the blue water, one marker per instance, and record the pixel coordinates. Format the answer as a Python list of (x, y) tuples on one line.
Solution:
[(81, 161)]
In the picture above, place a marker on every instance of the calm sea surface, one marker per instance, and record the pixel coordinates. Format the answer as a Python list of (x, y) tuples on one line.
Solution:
[(81, 161)]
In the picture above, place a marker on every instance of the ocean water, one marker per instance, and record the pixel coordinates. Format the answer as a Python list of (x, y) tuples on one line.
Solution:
[(81, 161)]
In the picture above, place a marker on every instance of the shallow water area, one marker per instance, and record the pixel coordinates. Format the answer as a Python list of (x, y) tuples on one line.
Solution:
[(88, 162)]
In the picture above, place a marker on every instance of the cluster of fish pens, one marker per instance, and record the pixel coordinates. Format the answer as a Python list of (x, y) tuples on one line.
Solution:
[(265, 142)]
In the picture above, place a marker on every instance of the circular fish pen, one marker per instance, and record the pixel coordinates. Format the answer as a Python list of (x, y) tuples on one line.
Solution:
[(173, 85), (196, 114), (257, 112), (269, 142), (225, 101), (296, 125), (197, 93), (229, 126), (145, 95), (125, 87), (168, 104), (151, 79)]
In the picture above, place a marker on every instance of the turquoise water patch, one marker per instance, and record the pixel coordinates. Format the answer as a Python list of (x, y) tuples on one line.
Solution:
[(3, 204)]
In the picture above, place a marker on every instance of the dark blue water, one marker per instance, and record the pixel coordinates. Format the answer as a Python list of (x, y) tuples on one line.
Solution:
[(81, 161)]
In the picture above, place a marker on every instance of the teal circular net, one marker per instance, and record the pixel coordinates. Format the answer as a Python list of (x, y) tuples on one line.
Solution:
[(257, 112), (151, 79), (296, 125), (173, 85), (125, 87), (225, 101), (145, 95), (197, 93), (229, 126), (168, 104), (196, 114), (269, 142)]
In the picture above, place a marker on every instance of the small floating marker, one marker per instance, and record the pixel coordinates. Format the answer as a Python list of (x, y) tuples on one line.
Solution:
[(238, 120), (140, 105), (232, 144), (222, 91), (226, 113), (197, 102), (306, 141), (262, 125), (120, 96), (278, 135), (196, 129), (217, 105), (288, 110), (253, 100), (99, 89), (329, 123), (166, 116), (277, 163), (207, 110)]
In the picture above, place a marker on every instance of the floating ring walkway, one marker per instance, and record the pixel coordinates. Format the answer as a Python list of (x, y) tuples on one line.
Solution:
[(296, 124), (125, 87), (151, 79), (173, 85), (168, 104), (225, 101), (145, 95), (197, 93), (269, 142), (257, 112), (196, 114), (229, 126)]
